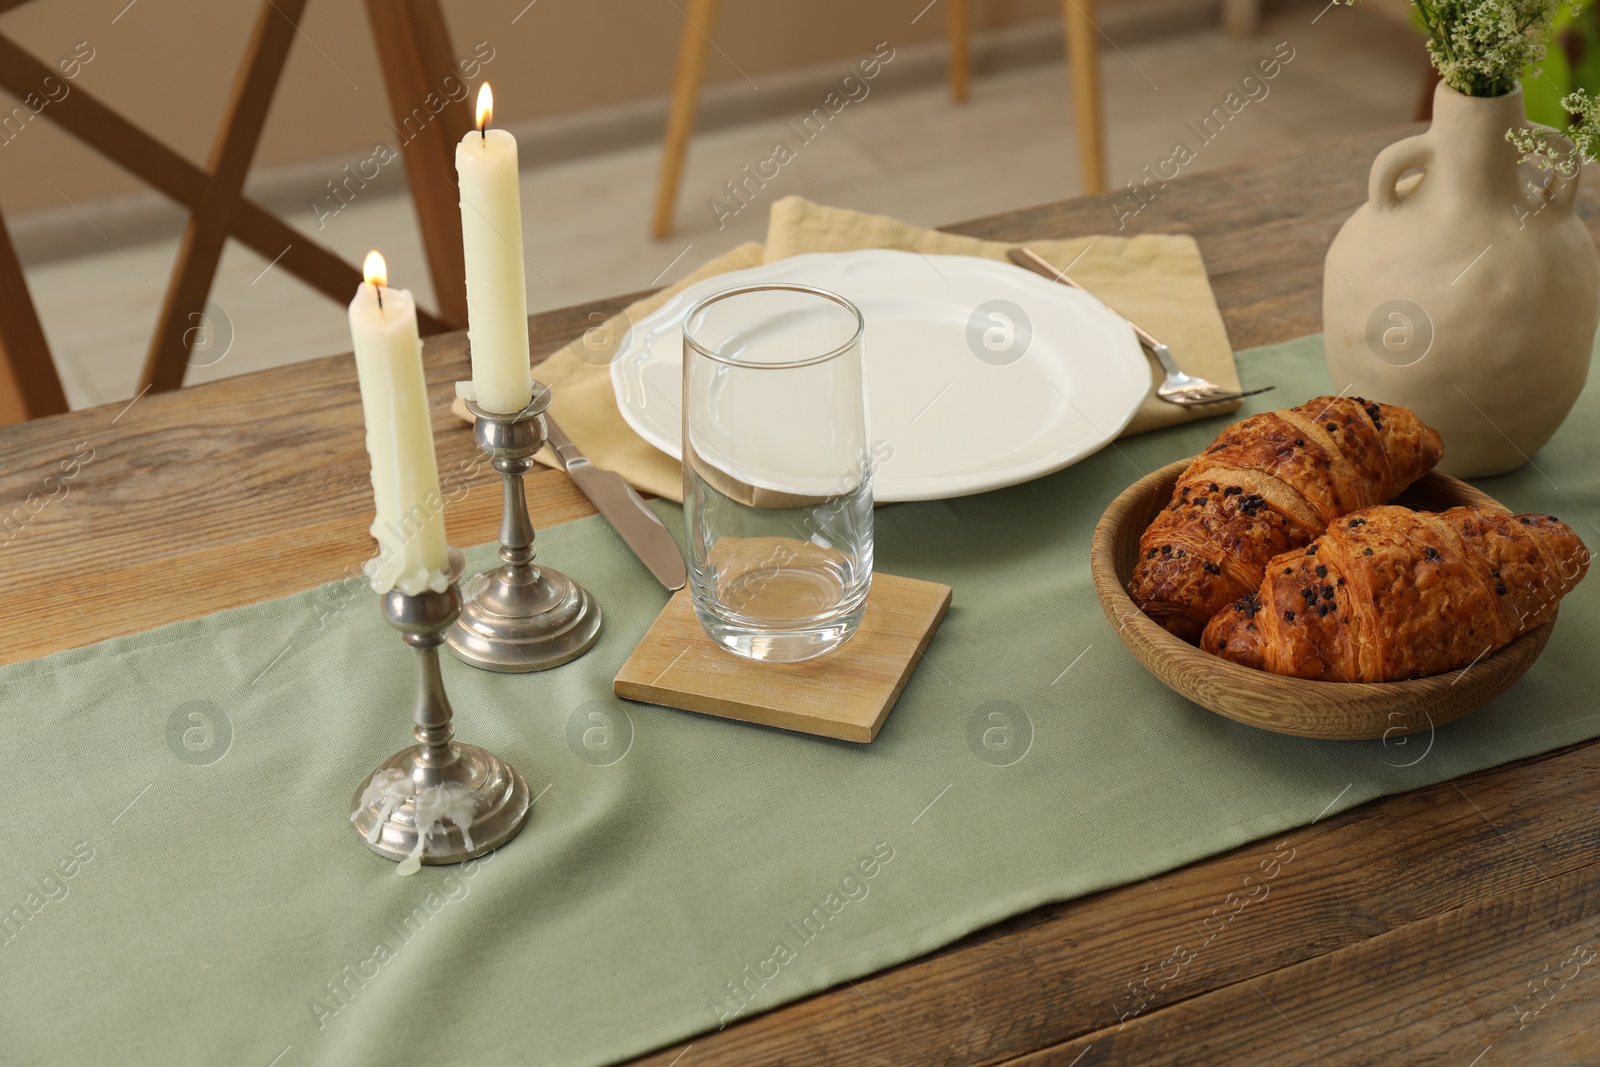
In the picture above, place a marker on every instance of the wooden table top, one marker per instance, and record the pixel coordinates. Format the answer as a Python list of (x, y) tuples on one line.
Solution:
[(1414, 928)]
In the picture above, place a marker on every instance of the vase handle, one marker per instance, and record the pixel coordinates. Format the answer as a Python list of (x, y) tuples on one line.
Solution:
[(1391, 163)]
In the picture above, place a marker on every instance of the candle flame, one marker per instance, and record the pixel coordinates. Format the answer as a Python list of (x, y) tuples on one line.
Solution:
[(375, 270), (485, 105)]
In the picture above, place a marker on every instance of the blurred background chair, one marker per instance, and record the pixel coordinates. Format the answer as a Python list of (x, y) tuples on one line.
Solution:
[(1240, 18), (699, 24), (414, 52)]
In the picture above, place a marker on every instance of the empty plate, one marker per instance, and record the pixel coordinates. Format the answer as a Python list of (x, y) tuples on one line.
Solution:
[(979, 374)]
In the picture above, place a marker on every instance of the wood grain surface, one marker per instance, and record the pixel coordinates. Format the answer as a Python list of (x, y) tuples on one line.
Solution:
[(1065, 977), (1403, 931)]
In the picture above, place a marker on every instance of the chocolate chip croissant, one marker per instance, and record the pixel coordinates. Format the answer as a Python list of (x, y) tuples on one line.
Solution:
[(1389, 593), (1268, 484)]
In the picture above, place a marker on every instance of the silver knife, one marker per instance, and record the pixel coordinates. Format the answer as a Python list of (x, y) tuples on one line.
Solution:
[(624, 508)]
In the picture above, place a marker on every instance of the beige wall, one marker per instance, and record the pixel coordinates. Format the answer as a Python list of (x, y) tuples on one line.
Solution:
[(167, 65)]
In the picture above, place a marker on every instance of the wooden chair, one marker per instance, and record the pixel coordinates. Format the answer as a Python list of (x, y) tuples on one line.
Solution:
[(1083, 61), (414, 50), (1083, 66), (1240, 18)]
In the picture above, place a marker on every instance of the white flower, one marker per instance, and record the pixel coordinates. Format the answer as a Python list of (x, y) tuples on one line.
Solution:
[(1483, 47), (1563, 154)]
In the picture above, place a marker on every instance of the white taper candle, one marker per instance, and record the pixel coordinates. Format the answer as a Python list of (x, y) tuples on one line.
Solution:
[(409, 524), (491, 240)]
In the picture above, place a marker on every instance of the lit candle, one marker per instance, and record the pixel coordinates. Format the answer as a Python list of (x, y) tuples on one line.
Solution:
[(405, 476), (491, 241)]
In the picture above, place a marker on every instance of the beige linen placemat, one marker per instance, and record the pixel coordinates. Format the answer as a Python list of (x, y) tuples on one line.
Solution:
[(1156, 280)]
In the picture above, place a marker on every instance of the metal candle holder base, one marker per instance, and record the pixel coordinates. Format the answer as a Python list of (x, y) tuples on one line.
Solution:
[(439, 801), (519, 617)]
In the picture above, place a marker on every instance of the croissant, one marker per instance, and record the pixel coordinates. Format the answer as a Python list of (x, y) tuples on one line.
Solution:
[(1389, 593), (1268, 484)]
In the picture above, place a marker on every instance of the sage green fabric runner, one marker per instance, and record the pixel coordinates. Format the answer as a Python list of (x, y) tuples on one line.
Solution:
[(180, 883)]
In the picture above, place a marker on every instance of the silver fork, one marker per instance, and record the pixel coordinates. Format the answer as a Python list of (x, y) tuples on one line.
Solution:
[(1179, 388)]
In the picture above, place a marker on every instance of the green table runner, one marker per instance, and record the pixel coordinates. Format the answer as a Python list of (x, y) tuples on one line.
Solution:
[(180, 883)]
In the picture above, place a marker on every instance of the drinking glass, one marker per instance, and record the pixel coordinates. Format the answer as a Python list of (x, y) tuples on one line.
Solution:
[(777, 474)]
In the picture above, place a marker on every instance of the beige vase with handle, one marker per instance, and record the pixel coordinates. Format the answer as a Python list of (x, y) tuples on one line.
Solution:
[(1467, 296)]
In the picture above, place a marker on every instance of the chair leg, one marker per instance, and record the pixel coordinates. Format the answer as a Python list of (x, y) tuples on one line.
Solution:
[(414, 52), (1083, 56), (1241, 18), (183, 308), (130, 147), (958, 28), (29, 387), (692, 45)]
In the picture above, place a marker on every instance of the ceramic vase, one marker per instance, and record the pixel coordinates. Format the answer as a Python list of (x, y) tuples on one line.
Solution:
[(1463, 290)]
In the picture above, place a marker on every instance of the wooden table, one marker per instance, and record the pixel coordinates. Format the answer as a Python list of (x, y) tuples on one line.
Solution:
[(1407, 930)]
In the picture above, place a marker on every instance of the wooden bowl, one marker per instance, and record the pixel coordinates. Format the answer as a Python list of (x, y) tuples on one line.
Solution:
[(1337, 710)]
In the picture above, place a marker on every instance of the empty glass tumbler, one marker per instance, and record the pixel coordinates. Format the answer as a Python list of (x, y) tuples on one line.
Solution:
[(777, 471)]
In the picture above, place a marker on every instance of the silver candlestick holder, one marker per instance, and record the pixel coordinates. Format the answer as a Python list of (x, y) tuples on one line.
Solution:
[(439, 801), (519, 617)]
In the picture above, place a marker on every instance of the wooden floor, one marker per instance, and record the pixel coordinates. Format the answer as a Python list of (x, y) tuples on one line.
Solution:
[(914, 155), (1409, 930)]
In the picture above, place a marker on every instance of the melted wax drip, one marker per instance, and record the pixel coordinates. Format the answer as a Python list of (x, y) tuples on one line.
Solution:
[(435, 806)]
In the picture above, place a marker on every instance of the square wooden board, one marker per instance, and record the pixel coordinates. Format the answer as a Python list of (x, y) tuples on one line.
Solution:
[(845, 694)]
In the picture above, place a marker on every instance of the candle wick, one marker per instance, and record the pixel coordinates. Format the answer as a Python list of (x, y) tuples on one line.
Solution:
[(483, 135), (379, 290)]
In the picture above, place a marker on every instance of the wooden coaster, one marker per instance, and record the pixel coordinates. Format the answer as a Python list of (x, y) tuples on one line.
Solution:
[(845, 694)]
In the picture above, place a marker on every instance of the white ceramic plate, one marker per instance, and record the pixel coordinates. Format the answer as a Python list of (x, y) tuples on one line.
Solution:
[(966, 402)]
